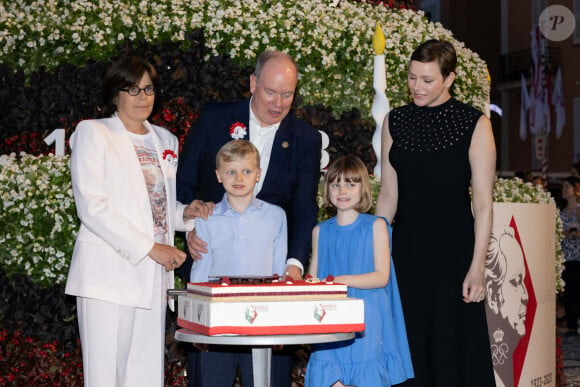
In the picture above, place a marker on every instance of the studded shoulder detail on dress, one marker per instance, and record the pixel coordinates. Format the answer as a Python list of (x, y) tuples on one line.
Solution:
[(428, 129)]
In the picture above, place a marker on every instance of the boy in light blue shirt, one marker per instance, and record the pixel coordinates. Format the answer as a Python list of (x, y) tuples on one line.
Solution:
[(246, 237)]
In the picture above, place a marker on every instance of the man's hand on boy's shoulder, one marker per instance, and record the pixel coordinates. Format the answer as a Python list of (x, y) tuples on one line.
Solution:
[(195, 245)]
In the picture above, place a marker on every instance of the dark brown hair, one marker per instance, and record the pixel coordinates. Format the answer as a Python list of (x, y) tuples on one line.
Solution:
[(125, 72), (439, 51)]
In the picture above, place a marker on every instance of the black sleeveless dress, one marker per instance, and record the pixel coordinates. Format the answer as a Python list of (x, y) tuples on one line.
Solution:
[(433, 238)]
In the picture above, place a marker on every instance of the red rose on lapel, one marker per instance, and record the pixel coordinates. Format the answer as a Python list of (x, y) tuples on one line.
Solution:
[(170, 157), (238, 130)]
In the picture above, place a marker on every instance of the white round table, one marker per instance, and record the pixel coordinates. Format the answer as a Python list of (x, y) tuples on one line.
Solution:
[(261, 346)]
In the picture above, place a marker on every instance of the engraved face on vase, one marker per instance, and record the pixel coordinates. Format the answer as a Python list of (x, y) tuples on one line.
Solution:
[(507, 295), (513, 290)]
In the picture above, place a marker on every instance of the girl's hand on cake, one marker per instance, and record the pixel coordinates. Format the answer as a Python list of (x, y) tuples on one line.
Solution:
[(168, 256)]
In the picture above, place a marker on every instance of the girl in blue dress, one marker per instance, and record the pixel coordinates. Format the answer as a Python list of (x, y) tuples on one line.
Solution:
[(354, 247)]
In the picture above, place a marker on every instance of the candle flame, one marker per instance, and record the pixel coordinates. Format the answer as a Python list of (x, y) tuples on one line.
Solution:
[(379, 40)]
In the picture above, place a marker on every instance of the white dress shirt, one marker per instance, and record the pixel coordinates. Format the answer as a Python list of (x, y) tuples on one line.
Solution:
[(263, 139)]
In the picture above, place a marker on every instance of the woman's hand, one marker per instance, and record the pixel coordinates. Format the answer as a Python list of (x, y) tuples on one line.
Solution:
[(198, 209), (474, 286), (167, 256)]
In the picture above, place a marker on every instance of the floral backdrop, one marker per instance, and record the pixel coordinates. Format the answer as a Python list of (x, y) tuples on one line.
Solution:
[(52, 54), (332, 45)]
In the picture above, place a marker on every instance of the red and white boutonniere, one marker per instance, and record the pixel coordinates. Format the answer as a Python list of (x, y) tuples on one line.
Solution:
[(238, 130), (170, 157)]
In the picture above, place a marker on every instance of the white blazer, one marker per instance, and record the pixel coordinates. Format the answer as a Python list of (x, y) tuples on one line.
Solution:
[(110, 261)]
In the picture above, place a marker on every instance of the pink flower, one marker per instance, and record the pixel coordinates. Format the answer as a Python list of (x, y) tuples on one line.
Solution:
[(238, 130)]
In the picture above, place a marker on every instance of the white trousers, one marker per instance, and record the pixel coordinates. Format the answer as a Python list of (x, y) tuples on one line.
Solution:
[(124, 346)]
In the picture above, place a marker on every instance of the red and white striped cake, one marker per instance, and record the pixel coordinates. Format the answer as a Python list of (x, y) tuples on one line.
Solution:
[(248, 291), (269, 308)]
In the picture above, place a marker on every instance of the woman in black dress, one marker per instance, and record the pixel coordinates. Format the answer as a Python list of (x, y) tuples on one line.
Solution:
[(440, 237)]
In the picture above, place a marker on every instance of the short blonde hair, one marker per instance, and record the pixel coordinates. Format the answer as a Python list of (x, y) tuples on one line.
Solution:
[(350, 169), (235, 150)]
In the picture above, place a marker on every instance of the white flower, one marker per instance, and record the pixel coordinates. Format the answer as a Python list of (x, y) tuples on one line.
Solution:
[(38, 217), (326, 41)]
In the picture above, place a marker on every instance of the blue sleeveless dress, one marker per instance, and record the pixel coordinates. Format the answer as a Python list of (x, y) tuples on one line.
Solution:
[(379, 356)]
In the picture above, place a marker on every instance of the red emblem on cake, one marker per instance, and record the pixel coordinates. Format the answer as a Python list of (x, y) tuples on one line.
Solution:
[(251, 314), (319, 312)]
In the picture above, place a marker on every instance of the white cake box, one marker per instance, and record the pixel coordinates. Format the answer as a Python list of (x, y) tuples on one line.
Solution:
[(270, 317)]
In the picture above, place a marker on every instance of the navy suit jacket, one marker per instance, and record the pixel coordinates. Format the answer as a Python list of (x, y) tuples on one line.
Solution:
[(291, 180)]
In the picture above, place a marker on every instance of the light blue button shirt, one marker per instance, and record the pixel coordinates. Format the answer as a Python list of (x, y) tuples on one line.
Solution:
[(253, 243)]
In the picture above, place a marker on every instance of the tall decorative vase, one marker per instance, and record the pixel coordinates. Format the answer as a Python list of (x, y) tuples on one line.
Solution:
[(520, 294)]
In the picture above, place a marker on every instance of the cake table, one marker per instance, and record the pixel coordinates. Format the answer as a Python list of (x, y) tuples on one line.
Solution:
[(261, 350)]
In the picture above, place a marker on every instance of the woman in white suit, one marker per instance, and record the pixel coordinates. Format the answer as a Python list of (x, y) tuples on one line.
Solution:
[(123, 173)]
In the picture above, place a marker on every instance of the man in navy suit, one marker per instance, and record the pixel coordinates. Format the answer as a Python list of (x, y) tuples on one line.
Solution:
[(289, 158)]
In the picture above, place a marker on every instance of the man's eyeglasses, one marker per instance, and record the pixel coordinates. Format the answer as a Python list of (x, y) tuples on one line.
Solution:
[(134, 90)]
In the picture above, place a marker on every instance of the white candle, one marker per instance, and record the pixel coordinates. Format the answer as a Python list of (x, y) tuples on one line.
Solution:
[(380, 106)]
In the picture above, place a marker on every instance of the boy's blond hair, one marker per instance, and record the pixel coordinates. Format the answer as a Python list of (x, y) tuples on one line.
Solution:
[(235, 150)]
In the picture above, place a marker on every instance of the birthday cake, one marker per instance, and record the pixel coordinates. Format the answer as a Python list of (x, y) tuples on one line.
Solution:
[(269, 308)]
